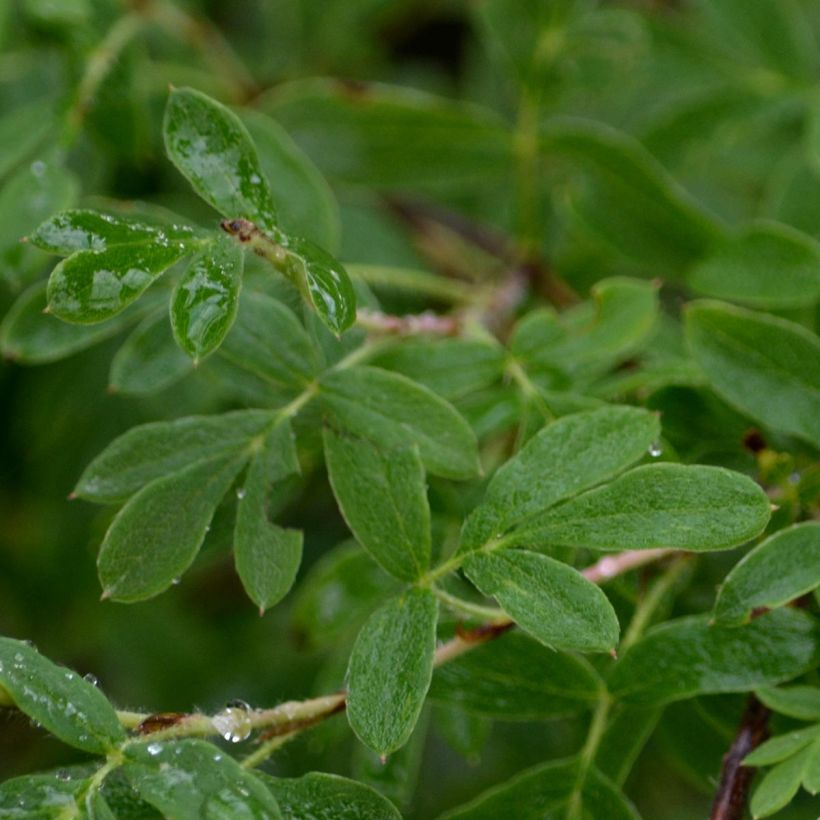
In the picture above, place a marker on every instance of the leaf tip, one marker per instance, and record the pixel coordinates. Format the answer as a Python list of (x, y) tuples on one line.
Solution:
[(106, 594), (613, 653), (261, 610), (774, 507), (72, 496), (47, 309)]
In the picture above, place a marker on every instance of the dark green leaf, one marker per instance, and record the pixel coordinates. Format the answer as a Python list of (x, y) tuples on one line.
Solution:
[(466, 733), (22, 131), (767, 265), (68, 706), (658, 505), (544, 793), (627, 732), (306, 204), (568, 456), (763, 365), (324, 281), (321, 796), (341, 589), (213, 150), (801, 702), (155, 537), (687, 657), (267, 557), (191, 780), (205, 300), (383, 496), (515, 678), (390, 670), (550, 600), (151, 451), (149, 359), (785, 566), (393, 411), (38, 797)]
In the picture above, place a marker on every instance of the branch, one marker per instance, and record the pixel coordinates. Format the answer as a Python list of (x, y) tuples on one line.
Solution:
[(429, 323), (730, 799)]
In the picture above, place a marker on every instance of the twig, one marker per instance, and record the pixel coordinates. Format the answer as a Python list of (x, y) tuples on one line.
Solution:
[(730, 799), (429, 323)]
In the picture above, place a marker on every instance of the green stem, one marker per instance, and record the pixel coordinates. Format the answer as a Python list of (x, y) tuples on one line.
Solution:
[(517, 373), (527, 175), (489, 614), (418, 281), (266, 750), (595, 735)]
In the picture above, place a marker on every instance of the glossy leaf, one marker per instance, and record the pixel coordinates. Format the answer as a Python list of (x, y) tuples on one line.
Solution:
[(765, 366), (206, 298), (38, 796), (78, 229), (149, 359), (152, 451), (658, 505), (324, 281), (515, 678), (30, 336), (785, 566), (545, 791), (212, 148), (767, 266), (341, 589), (550, 600), (66, 704), (267, 556), (382, 495), (155, 537), (92, 286), (191, 779), (323, 796), (801, 702), (393, 411), (568, 456), (390, 670), (687, 657)]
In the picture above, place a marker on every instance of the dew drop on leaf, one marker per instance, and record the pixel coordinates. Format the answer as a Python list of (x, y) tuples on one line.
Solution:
[(92, 679), (154, 749), (655, 449), (233, 722)]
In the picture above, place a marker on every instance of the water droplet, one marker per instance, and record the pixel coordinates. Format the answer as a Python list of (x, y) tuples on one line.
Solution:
[(255, 179), (175, 582), (38, 168), (92, 679), (154, 749), (62, 774), (233, 722), (794, 478), (655, 449), (240, 493)]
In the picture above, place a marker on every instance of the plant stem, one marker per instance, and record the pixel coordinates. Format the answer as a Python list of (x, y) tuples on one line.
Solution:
[(418, 281), (491, 615), (266, 750)]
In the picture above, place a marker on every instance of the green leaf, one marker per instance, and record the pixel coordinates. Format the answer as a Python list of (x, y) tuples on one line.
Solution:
[(801, 702), (382, 495), (449, 367), (149, 359), (268, 341), (782, 747), (38, 796), (92, 286), (627, 731), (152, 451), (340, 591), (205, 300), (779, 785), (390, 670), (687, 657), (545, 791), (155, 537), (30, 336), (570, 455), (75, 230), (321, 796), (515, 678), (306, 204), (634, 203), (324, 281), (191, 779), (267, 557), (765, 366), (785, 566), (22, 131), (766, 265), (550, 600), (68, 706), (213, 150), (393, 411), (391, 137), (659, 505)]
